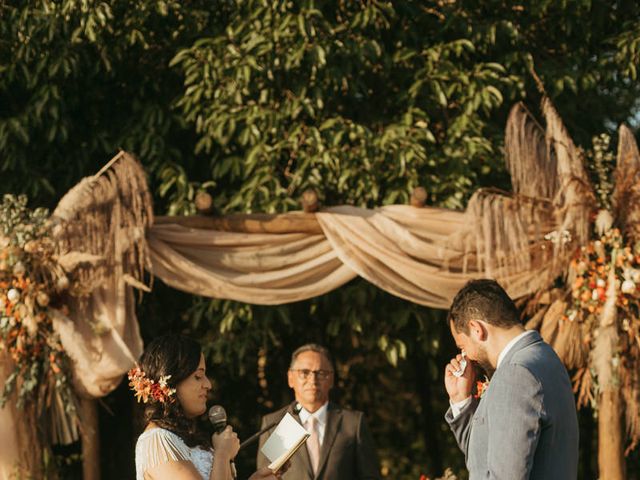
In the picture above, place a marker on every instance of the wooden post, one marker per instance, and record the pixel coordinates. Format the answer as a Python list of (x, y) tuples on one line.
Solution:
[(418, 197), (292, 222), (204, 203), (90, 435), (309, 201), (611, 464)]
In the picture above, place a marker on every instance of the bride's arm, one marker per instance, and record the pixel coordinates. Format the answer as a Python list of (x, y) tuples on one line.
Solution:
[(225, 448), (221, 469), (182, 470)]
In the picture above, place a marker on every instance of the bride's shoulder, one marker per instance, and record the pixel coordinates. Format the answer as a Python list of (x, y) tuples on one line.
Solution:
[(154, 435), (157, 446)]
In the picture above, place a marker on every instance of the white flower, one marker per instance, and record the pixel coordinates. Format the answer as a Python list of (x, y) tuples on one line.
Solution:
[(604, 222), (31, 324), (62, 283), (18, 268), (601, 283), (163, 380), (21, 310), (628, 287), (42, 298), (594, 294), (13, 295), (557, 237)]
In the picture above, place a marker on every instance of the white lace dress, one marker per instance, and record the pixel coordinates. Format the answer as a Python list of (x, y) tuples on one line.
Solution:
[(157, 446)]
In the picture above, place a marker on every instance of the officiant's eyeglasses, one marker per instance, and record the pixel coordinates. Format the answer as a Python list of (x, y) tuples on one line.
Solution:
[(304, 373)]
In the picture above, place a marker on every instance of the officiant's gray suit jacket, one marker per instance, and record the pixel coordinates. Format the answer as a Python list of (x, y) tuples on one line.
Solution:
[(347, 451), (525, 425)]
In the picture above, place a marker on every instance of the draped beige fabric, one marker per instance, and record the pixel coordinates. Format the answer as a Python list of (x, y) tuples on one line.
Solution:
[(103, 219), (413, 253)]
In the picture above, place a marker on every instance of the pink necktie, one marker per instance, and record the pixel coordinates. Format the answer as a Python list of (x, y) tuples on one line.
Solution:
[(313, 443)]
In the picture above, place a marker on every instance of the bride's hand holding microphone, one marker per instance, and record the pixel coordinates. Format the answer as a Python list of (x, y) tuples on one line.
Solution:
[(226, 443)]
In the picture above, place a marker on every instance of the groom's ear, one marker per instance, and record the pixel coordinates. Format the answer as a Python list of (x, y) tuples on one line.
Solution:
[(477, 330)]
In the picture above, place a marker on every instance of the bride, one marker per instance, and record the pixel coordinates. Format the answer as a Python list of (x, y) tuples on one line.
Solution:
[(171, 381)]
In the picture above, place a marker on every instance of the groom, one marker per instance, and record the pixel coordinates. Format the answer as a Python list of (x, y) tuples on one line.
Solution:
[(525, 425)]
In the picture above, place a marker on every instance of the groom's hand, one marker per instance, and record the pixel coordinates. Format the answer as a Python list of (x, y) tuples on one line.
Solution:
[(459, 388)]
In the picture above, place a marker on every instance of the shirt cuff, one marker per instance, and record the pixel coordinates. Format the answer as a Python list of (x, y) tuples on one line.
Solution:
[(457, 407)]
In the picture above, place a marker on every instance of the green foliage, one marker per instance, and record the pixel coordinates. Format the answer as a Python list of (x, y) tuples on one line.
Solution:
[(289, 97), (258, 100), (19, 224)]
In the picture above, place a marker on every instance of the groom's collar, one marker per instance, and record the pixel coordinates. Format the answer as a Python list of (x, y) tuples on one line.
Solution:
[(520, 341)]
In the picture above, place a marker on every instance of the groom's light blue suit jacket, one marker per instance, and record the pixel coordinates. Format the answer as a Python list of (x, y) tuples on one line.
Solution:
[(525, 425)]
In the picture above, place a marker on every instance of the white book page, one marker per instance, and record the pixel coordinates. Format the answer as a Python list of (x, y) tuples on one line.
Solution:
[(287, 436)]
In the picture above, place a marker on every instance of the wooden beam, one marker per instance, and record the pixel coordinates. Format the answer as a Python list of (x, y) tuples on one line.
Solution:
[(292, 222), (90, 435)]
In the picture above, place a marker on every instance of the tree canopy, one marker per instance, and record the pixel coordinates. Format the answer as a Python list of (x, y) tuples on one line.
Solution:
[(255, 101)]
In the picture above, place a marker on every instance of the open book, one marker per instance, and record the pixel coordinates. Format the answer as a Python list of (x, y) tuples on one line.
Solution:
[(285, 440)]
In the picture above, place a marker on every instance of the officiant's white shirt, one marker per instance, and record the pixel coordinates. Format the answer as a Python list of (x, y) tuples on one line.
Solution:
[(321, 417), (457, 407)]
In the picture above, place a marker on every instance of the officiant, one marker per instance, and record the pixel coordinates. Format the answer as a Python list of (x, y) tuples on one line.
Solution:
[(340, 446)]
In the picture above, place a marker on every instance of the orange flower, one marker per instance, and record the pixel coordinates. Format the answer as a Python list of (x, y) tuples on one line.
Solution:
[(481, 387)]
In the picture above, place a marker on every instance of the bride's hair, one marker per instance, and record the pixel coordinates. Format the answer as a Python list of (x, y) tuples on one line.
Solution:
[(179, 357)]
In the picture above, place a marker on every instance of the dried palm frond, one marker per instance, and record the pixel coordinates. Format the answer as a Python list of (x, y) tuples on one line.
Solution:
[(583, 387), (99, 228), (563, 334), (535, 322), (551, 322), (536, 229), (571, 349), (533, 168), (575, 199), (103, 218), (505, 234), (626, 193)]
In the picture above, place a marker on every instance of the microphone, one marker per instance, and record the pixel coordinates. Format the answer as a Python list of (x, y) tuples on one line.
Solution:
[(218, 419), (296, 410)]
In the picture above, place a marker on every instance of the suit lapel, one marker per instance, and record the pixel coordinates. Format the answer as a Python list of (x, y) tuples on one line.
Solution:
[(334, 418), (302, 452), (524, 342)]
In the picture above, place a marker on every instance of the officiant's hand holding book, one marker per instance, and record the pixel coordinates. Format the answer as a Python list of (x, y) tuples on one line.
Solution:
[(284, 442)]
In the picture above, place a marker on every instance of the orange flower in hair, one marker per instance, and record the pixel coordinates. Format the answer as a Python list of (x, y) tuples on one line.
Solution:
[(147, 389)]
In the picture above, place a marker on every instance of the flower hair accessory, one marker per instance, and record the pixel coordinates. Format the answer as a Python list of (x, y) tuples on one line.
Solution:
[(147, 389)]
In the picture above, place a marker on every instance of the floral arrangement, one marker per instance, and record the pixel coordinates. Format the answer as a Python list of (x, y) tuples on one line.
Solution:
[(448, 475), (481, 387), (30, 287), (604, 282), (147, 389), (594, 321), (595, 266)]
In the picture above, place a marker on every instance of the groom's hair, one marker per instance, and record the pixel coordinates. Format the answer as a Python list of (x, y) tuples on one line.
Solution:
[(484, 300)]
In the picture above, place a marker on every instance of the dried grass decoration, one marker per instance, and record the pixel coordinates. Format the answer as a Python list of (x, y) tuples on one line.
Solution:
[(605, 292), (31, 284)]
